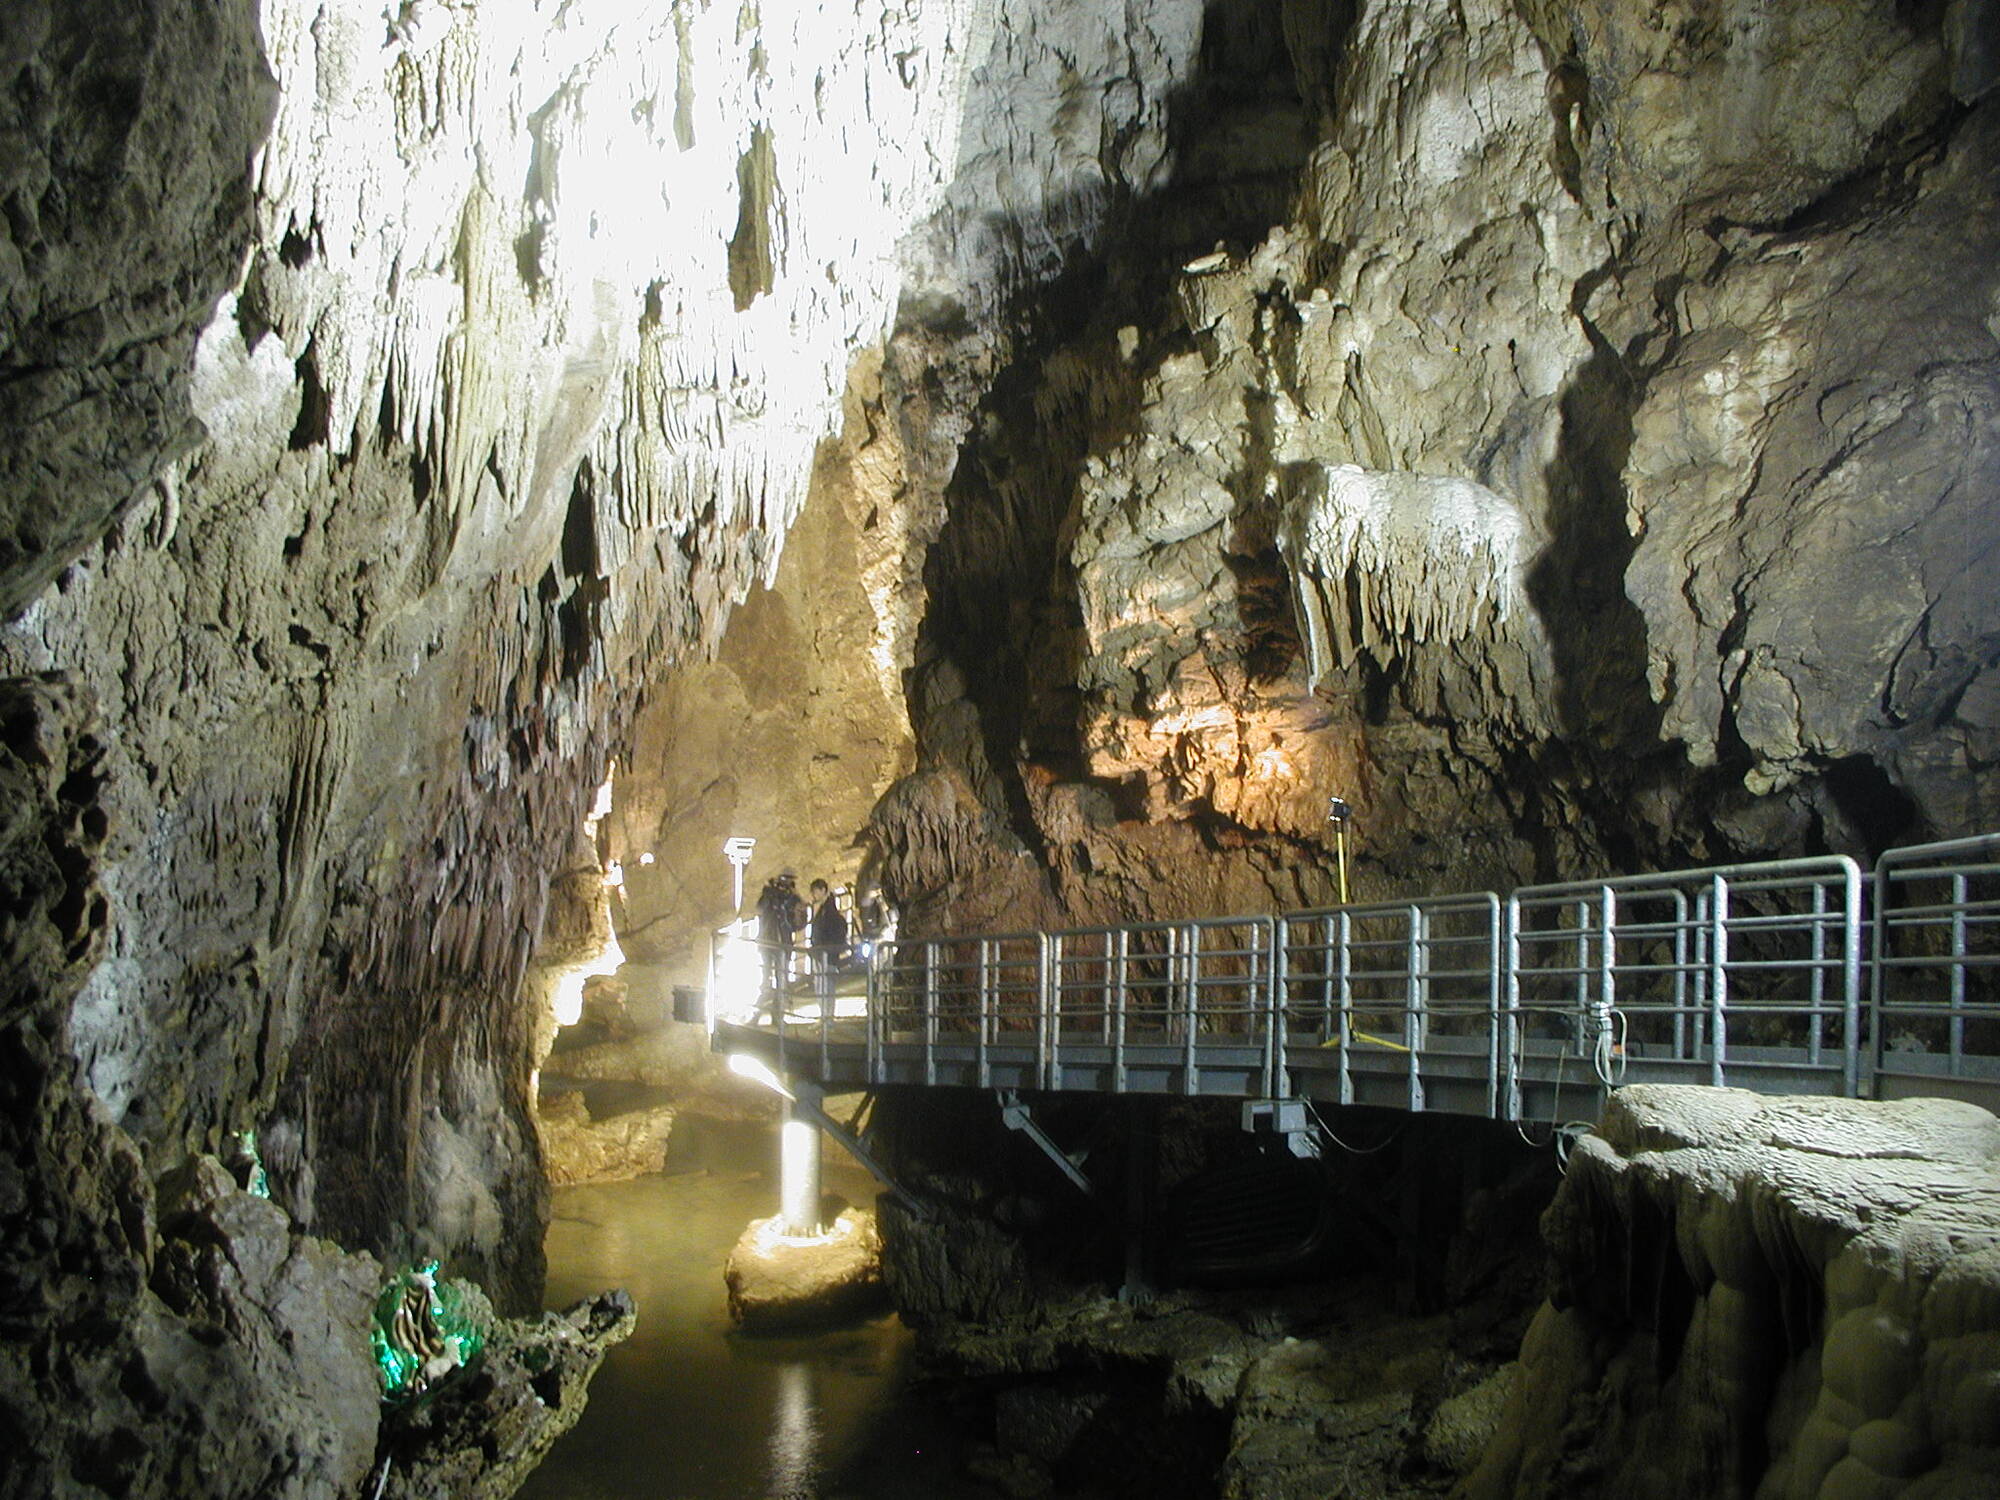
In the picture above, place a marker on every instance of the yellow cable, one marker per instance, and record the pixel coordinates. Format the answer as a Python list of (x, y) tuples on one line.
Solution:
[(1370, 1037)]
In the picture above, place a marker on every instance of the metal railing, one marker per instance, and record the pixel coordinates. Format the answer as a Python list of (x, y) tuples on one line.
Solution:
[(1936, 981), (1667, 968), (1361, 981), (1793, 976)]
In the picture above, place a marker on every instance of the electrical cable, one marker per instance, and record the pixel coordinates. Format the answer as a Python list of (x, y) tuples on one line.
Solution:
[(1327, 1131)]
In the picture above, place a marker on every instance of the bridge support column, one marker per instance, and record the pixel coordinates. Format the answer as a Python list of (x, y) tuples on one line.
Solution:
[(798, 1173)]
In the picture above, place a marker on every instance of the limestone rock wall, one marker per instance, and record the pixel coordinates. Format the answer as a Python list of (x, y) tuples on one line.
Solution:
[(1588, 462), (531, 320), (178, 1341), (1764, 1297), (124, 210), (803, 723)]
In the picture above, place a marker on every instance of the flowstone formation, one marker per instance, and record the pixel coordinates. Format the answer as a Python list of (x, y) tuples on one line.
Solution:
[(1751, 1296)]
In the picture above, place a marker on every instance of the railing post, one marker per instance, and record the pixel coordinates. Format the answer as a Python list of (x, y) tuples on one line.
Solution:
[(829, 1003), (1878, 964), (1344, 1033), (1118, 943), (930, 1011), (1850, 981), (1277, 1080), (1413, 1006), (1680, 1027), (1104, 993), (1492, 1006), (1816, 987), (989, 1009), (1602, 1040), (1191, 986), (1960, 894), (1333, 935), (1511, 939), (1718, 978), (1045, 1026), (1703, 913)]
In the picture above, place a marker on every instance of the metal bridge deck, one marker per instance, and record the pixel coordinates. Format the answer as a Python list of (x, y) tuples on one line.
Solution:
[(1794, 977)]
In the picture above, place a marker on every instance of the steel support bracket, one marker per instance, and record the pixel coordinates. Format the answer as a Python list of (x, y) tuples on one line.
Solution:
[(1290, 1118), (808, 1100), (1015, 1115)]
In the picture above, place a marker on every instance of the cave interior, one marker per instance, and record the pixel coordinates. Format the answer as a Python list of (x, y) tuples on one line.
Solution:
[(460, 464)]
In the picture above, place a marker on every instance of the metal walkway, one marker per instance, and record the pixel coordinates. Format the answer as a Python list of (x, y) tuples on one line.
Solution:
[(1804, 976)]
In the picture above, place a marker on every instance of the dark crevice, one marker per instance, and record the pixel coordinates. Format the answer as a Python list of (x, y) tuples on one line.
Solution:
[(315, 406), (1596, 634), (1882, 812)]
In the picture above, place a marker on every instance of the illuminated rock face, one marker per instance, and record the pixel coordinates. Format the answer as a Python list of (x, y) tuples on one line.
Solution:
[(539, 315), (779, 1284), (1581, 447), (545, 311), (1592, 462)]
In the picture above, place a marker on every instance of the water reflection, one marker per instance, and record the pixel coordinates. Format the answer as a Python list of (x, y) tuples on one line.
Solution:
[(689, 1409), (794, 1434)]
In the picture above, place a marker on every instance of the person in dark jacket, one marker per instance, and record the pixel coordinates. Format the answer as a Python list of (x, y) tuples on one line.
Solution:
[(829, 943), (780, 914)]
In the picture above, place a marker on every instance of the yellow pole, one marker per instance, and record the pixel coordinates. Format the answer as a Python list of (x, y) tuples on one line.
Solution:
[(1340, 842)]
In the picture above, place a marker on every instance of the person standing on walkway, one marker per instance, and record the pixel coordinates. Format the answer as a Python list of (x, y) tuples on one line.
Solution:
[(829, 944), (780, 914)]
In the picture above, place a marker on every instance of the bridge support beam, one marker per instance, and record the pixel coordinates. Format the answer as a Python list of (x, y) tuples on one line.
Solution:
[(1016, 1116), (1290, 1118)]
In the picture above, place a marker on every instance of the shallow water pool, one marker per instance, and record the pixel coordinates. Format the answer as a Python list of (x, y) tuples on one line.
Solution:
[(690, 1409)]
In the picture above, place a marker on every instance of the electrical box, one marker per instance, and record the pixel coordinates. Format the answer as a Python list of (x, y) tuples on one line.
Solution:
[(1278, 1116)]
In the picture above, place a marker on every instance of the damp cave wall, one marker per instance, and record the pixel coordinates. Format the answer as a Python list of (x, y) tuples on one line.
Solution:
[(391, 401), (422, 450), (1660, 550)]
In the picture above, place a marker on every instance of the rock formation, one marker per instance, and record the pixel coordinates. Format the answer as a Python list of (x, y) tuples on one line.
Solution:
[(779, 1282), (1564, 431), (1379, 1370), (480, 1435), (1769, 1297), (1532, 473), (578, 1147)]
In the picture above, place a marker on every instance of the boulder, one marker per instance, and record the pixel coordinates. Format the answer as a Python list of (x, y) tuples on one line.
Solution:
[(779, 1282)]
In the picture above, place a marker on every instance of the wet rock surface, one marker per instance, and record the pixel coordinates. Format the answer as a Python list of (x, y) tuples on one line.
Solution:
[(1757, 1296), (480, 1433), (576, 1147), (180, 1341), (1565, 432)]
